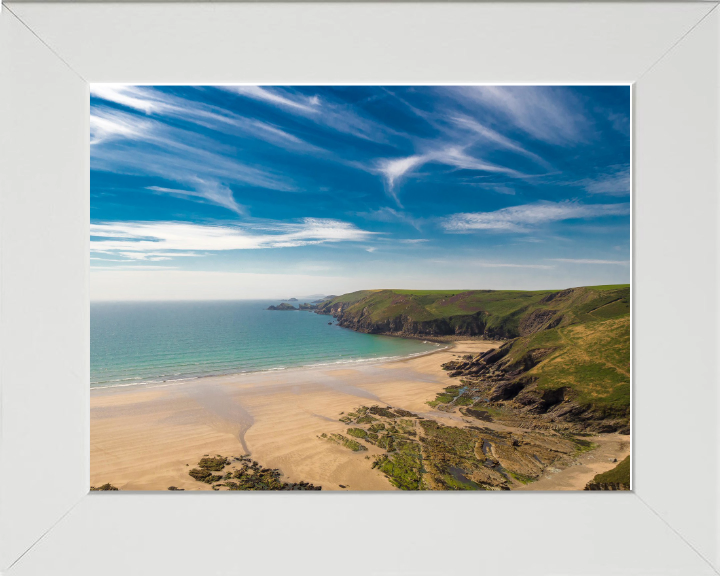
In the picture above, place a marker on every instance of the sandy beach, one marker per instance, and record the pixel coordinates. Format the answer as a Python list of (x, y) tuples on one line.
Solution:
[(147, 437)]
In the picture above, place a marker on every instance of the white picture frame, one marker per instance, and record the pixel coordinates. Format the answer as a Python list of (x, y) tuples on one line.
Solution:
[(49, 523)]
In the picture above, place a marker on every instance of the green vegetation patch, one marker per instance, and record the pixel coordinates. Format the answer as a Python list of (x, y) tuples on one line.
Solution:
[(202, 475), (348, 443), (580, 444), (357, 432), (522, 478), (214, 464), (384, 412), (618, 475), (251, 476), (386, 442), (403, 467)]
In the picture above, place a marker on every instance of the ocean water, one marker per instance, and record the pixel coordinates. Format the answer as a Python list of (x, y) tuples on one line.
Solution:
[(148, 342)]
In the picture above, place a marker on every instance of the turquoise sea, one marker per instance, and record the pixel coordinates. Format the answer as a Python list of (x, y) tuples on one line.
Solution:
[(149, 342)]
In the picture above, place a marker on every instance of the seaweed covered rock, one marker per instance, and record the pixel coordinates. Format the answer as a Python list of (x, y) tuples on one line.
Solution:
[(105, 487), (249, 476)]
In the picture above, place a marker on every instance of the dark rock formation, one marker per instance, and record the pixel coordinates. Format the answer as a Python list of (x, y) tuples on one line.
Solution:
[(103, 488), (539, 320), (282, 306), (606, 486), (500, 380)]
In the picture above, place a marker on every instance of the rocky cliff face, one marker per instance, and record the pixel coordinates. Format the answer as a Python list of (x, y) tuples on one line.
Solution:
[(504, 384), (402, 325)]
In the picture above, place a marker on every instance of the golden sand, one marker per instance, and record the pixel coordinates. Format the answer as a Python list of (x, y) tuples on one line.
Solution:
[(148, 437)]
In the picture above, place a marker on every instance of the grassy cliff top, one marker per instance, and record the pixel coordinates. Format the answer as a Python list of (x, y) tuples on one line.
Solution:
[(502, 309), (582, 335)]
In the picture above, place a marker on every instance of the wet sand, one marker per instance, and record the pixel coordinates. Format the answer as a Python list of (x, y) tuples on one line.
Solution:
[(148, 437)]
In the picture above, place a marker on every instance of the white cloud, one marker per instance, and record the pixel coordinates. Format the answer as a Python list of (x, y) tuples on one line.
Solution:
[(523, 218), (589, 261), (547, 113), (137, 240), (142, 146), (130, 96), (498, 188), (109, 124), (469, 264), (156, 102), (277, 97), (213, 192), (394, 169), (337, 116), (387, 214), (493, 136), (615, 183)]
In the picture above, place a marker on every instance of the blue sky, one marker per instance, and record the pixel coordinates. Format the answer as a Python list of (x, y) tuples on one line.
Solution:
[(201, 192)]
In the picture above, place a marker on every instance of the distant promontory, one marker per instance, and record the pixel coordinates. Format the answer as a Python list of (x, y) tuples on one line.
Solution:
[(285, 306), (282, 306)]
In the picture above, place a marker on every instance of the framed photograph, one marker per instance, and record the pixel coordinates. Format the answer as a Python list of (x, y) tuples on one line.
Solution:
[(408, 259)]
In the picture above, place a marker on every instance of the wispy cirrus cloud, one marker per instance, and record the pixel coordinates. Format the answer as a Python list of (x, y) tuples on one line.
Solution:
[(157, 103), (212, 192), (162, 240), (616, 182), (547, 113), (127, 144), (490, 264), (591, 261), (525, 217), (490, 135), (335, 115), (387, 214), (110, 124), (498, 188), (277, 97), (393, 169)]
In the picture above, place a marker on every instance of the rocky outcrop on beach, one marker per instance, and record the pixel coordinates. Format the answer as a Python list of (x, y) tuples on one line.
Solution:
[(416, 452), (105, 487), (606, 486), (503, 382), (242, 473)]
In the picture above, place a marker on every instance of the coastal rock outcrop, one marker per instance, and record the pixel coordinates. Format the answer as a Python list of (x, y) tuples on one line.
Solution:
[(242, 473), (282, 306), (497, 379), (564, 363)]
